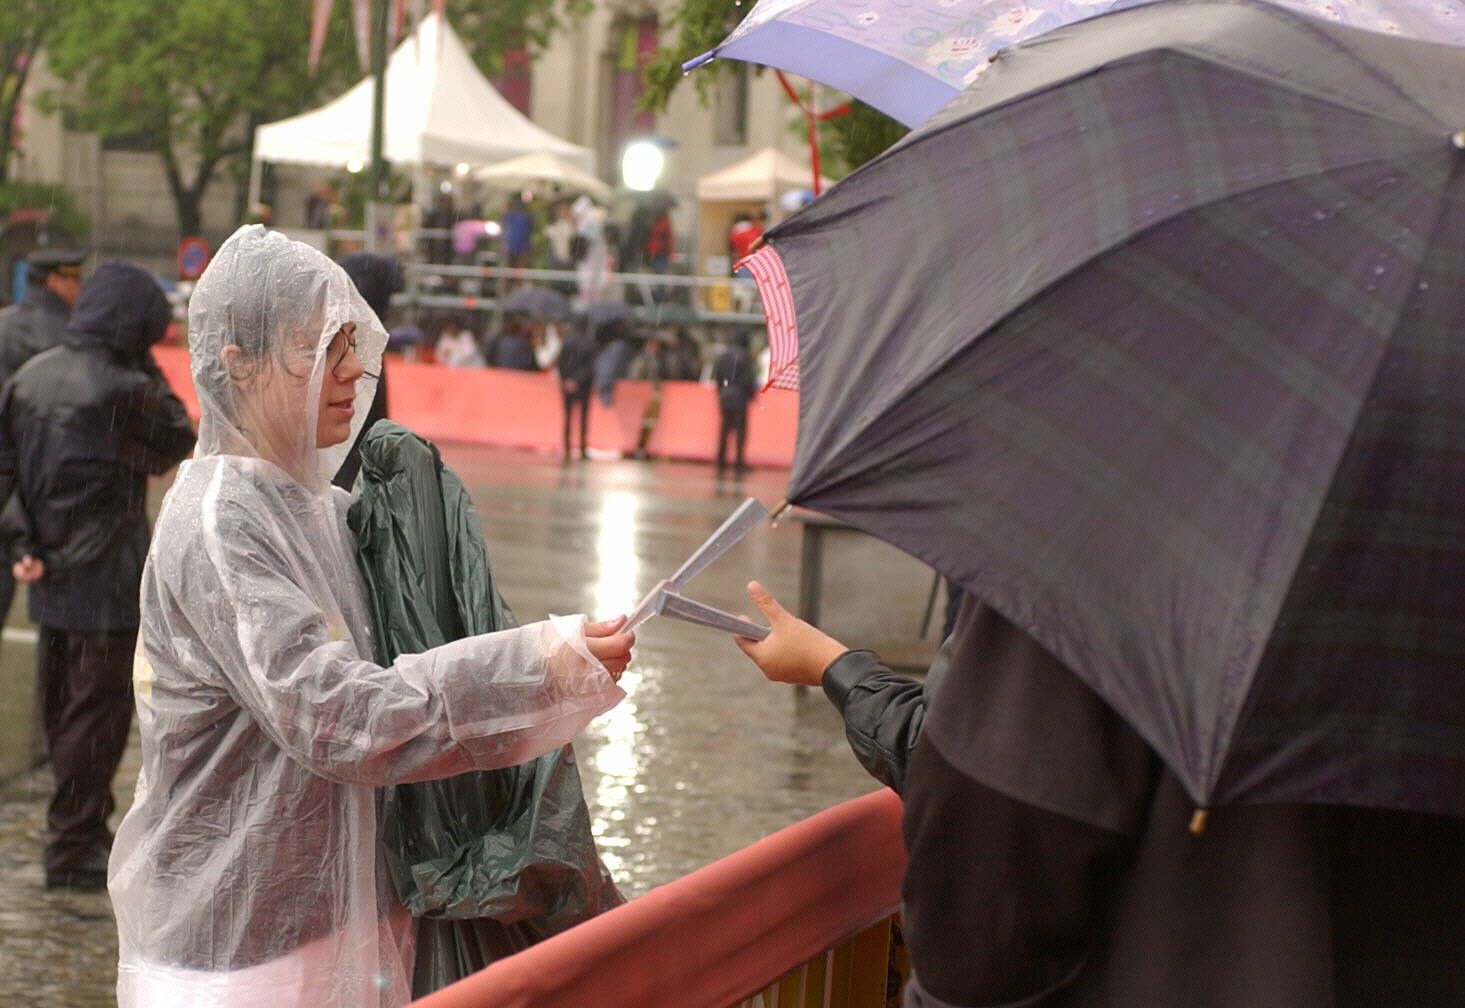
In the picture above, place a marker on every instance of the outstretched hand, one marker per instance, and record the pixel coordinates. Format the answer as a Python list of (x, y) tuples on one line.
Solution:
[(794, 651), (610, 646)]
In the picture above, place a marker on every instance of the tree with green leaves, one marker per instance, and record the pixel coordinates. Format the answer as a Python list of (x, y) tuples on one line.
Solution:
[(492, 28), (23, 25), (846, 141), (189, 80), (192, 79)]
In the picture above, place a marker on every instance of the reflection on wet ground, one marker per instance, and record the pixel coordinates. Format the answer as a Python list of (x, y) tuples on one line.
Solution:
[(702, 758)]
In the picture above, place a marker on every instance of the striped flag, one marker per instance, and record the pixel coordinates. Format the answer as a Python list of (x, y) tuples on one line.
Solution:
[(768, 273), (361, 21), (320, 17)]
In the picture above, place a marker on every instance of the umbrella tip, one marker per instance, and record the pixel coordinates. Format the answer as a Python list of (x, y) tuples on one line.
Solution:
[(1198, 821), (778, 512), (1458, 139)]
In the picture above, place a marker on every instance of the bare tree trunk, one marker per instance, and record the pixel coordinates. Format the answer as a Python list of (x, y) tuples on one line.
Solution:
[(12, 85)]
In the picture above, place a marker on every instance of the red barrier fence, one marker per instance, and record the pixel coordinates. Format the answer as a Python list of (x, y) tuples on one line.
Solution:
[(522, 409), (722, 933)]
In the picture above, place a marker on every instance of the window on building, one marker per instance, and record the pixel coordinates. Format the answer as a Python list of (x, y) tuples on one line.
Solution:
[(636, 41), (730, 105), (516, 80)]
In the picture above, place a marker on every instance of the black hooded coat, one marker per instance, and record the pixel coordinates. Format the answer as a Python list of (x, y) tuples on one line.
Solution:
[(82, 426)]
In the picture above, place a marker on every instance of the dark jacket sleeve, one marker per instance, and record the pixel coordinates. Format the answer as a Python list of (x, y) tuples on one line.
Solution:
[(154, 432), (14, 527), (882, 713)]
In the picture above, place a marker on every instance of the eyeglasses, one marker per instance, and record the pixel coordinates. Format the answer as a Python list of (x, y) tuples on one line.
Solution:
[(335, 358)]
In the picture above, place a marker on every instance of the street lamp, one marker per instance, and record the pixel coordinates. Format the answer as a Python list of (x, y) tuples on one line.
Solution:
[(642, 164)]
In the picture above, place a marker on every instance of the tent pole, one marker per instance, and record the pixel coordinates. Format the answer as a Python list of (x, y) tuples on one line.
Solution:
[(376, 199), (256, 171)]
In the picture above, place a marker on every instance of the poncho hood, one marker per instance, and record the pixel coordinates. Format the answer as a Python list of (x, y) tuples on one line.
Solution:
[(280, 302)]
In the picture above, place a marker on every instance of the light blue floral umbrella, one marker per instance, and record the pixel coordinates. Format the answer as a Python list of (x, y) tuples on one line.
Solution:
[(907, 58)]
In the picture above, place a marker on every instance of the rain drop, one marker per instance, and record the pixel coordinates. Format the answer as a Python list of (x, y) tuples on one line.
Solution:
[(1378, 271), (1424, 285), (1319, 215)]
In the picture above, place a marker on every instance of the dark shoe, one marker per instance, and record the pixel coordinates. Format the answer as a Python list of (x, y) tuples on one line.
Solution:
[(80, 880)]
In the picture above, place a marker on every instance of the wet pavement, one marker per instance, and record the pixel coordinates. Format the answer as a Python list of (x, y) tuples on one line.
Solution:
[(701, 759)]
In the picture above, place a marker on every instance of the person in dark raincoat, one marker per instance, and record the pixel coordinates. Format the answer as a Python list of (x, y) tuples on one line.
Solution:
[(577, 373), (38, 322), (1051, 865), (736, 380), (82, 426), (377, 277)]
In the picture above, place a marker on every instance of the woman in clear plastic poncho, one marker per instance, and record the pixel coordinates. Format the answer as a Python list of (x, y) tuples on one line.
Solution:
[(246, 871)]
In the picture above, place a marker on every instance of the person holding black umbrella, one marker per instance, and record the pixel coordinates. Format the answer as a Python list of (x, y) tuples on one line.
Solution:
[(1053, 860), (1189, 436)]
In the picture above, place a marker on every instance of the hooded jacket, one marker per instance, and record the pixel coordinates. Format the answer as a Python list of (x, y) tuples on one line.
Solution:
[(82, 426)]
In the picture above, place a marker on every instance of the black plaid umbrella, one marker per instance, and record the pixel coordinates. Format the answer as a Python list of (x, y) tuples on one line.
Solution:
[(1152, 339)]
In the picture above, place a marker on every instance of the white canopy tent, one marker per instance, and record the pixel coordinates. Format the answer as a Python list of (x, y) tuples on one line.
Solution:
[(761, 178), (439, 110), (749, 186), (543, 168)]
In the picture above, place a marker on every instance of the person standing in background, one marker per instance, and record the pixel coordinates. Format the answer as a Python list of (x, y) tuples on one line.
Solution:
[(377, 277), (82, 426), (734, 376), (577, 371), (518, 226), (741, 237), (37, 323)]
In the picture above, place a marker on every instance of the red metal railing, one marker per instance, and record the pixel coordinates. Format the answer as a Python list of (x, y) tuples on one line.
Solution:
[(800, 916)]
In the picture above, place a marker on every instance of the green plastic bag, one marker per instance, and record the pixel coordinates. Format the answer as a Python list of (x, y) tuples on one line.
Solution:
[(490, 862)]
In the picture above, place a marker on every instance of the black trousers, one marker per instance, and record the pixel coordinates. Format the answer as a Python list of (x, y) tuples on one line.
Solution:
[(734, 422), (580, 400), (87, 682)]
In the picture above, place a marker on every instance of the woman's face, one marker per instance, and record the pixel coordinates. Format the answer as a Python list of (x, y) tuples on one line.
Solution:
[(338, 388)]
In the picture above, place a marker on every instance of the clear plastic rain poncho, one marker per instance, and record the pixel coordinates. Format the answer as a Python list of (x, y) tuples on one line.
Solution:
[(247, 871)]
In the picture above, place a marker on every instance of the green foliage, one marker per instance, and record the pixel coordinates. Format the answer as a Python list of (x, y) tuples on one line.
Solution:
[(845, 142), (194, 77), (30, 195), (490, 28), (850, 140), (694, 27)]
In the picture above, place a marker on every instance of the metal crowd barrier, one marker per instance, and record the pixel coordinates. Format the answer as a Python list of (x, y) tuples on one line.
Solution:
[(697, 300)]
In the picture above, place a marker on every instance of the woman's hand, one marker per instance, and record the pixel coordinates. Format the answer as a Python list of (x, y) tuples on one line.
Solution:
[(794, 651), (609, 646)]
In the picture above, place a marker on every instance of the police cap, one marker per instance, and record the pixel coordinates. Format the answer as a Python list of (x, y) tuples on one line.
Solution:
[(44, 261)]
